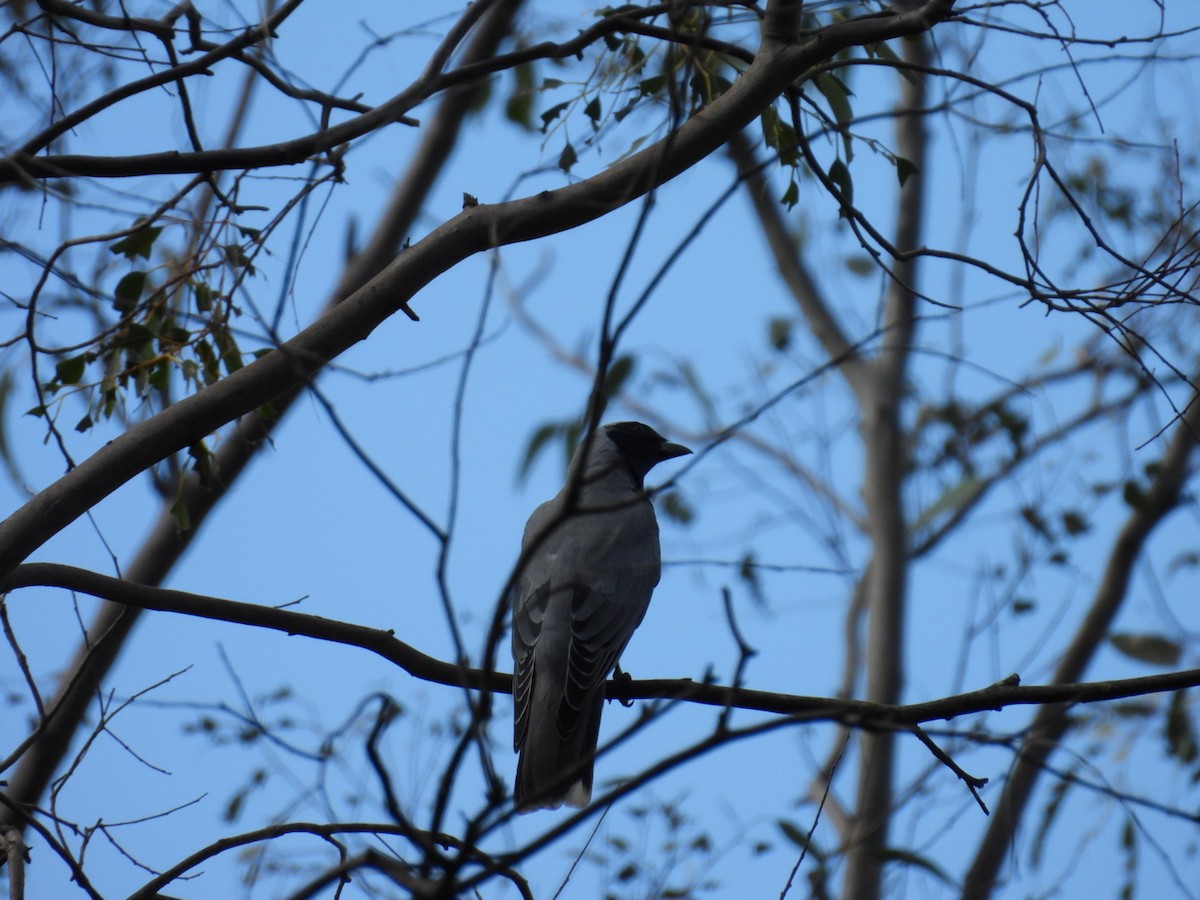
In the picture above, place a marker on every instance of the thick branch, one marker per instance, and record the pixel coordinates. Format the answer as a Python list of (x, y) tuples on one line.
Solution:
[(857, 713), (880, 397)]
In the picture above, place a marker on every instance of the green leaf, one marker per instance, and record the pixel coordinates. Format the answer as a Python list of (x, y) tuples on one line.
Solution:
[(84, 424), (883, 51), (792, 195), (1074, 523), (592, 111), (204, 463), (553, 113), (779, 333), (1035, 521), (952, 500), (139, 243), (905, 169), (793, 833), (1148, 648), (236, 257), (837, 95), (179, 509), (860, 264), (70, 371), (567, 158), (748, 572), (908, 858), (1180, 732), (652, 85), (618, 373), (519, 107), (676, 509), (541, 437), (204, 297), (840, 175), (770, 126), (1134, 496), (129, 291), (1054, 804)]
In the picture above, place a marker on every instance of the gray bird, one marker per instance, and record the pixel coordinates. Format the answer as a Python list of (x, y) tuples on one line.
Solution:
[(590, 562)]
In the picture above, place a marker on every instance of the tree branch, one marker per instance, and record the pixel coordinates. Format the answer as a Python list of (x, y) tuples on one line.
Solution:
[(475, 229), (857, 713)]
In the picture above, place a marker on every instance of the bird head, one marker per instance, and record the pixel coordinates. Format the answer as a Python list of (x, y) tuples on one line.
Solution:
[(641, 448)]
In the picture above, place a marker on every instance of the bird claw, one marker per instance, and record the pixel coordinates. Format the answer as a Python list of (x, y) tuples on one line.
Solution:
[(623, 679)]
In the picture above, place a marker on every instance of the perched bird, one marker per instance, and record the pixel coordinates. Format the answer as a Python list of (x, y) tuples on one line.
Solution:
[(590, 560)]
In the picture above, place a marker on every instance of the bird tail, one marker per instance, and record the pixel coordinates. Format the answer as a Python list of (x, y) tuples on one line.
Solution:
[(555, 768)]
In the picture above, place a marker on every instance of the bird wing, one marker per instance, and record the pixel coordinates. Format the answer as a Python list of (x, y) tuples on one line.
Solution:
[(606, 564)]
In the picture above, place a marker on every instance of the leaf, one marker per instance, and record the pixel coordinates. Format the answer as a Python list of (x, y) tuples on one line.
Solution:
[(770, 126), (779, 333), (837, 95), (792, 195), (1148, 648), (1035, 521), (553, 113), (793, 834), (592, 111), (618, 373), (652, 85), (129, 291), (840, 175), (179, 510), (237, 258), (205, 463), (909, 858), (519, 107), (567, 158), (1180, 732), (748, 572), (1188, 559), (542, 436), (1134, 496), (905, 169), (139, 243), (204, 297), (1058, 793), (676, 509), (952, 500), (860, 264), (780, 137), (70, 371), (1074, 523), (84, 424)]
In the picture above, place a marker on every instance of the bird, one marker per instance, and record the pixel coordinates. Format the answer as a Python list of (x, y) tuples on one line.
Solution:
[(590, 560)]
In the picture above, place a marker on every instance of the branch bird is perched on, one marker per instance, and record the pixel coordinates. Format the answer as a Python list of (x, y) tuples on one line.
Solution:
[(590, 562)]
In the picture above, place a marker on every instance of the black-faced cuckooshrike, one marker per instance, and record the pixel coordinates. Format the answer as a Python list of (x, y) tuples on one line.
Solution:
[(591, 560)]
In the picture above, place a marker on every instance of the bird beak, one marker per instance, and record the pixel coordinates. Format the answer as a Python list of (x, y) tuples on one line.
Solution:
[(670, 451)]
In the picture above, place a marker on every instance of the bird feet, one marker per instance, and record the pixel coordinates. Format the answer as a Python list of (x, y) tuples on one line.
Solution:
[(622, 678)]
